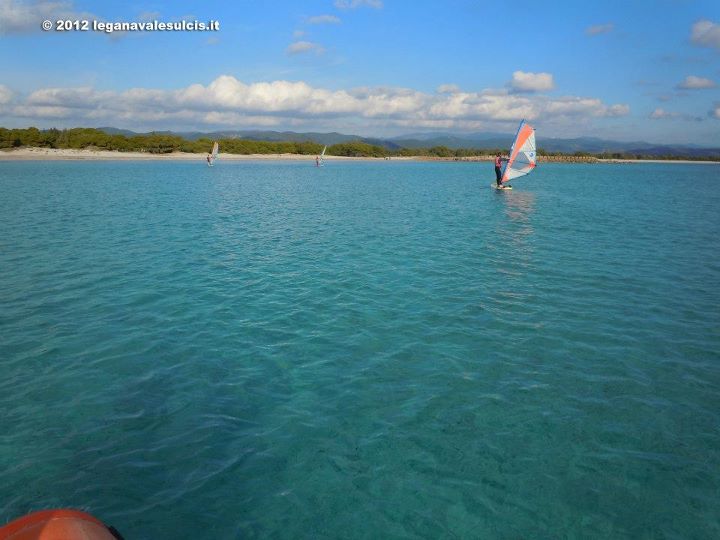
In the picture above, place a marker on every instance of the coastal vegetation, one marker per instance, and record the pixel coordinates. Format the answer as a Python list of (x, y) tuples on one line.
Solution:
[(165, 143)]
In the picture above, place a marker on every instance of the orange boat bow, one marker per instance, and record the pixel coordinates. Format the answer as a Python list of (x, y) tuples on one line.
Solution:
[(56, 525)]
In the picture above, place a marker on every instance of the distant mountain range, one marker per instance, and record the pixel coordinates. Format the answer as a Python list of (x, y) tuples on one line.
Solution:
[(488, 140)]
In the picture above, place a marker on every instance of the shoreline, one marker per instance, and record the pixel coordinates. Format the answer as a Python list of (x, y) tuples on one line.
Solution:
[(68, 154)]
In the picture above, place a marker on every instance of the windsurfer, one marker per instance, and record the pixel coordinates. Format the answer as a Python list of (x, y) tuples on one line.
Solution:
[(498, 169), (317, 161), (208, 159)]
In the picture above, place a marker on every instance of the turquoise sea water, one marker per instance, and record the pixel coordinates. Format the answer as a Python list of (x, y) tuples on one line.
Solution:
[(367, 350)]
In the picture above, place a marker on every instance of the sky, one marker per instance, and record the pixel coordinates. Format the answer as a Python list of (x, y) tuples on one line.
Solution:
[(642, 70)]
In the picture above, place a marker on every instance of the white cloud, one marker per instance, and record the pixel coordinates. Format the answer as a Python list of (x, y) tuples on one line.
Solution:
[(448, 89), (6, 94), (660, 113), (305, 47), (469, 106), (388, 102), (599, 29), (324, 19), (228, 101), (531, 82), (42, 111), (715, 112), (579, 106), (352, 4), (692, 82), (298, 34), (22, 17), (82, 97), (706, 34), (234, 119), (616, 110)]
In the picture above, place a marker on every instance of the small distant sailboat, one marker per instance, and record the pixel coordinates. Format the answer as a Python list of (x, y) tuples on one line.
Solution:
[(213, 154), (522, 155), (322, 156)]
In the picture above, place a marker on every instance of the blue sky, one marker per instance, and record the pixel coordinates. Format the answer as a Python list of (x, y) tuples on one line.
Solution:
[(641, 70)]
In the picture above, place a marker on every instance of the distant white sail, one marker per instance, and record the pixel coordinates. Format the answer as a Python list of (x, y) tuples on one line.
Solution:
[(322, 155), (522, 154), (213, 155)]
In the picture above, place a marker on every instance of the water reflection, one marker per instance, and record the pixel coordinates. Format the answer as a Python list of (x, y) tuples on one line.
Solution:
[(519, 207), (517, 233)]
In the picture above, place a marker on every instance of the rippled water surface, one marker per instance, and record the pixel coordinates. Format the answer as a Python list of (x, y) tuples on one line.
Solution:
[(367, 350)]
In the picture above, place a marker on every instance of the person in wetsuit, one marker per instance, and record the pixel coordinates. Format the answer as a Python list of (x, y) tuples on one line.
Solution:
[(498, 169)]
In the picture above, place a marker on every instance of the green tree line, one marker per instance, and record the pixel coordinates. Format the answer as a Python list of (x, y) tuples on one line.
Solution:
[(154, 143), (160, 143)]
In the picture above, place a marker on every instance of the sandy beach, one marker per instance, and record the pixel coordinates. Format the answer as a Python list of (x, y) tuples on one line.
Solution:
[(57, 154), (67, 154), (678, 161)]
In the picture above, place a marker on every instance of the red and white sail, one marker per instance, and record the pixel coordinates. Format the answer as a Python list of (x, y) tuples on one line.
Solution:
[(522, 154)]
